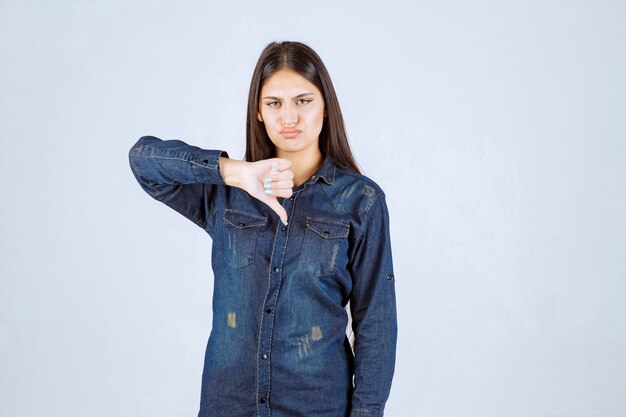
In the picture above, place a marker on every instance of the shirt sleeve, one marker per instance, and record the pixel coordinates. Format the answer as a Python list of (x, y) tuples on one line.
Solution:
[(373, 310), (182, 176)]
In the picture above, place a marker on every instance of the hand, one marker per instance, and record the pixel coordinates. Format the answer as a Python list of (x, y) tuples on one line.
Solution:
[(250, 176)]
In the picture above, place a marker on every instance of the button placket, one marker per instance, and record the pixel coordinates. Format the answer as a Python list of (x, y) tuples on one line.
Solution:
[(269, 305)]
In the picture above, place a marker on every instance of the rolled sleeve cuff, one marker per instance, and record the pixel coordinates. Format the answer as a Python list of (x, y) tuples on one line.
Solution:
[(205, 165), (365, 412)]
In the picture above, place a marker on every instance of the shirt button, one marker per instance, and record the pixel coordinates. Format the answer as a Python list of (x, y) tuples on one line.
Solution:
[(291, 198), (276, 269), (283, 228), (262, 400), (264, 356), (313, 177), (268, 311)]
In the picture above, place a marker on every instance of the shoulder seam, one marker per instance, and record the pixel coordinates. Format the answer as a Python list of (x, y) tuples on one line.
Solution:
[(362, 177), (378, 196)]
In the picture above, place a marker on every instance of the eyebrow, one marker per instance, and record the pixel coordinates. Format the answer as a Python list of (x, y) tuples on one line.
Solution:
[(299, 95)]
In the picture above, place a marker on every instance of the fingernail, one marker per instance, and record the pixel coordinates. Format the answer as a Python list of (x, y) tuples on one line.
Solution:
[(268, 179), (269, 191), (267, 185), (274, 169)]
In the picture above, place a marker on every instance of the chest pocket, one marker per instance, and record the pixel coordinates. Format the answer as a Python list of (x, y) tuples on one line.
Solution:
[(323, 242), (242, 231)]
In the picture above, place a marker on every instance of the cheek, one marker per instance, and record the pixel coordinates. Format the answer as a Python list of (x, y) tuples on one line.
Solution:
[(316, 117), (269, 121)]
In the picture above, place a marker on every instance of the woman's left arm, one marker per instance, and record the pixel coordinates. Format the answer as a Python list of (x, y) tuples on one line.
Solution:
[(373, 309)]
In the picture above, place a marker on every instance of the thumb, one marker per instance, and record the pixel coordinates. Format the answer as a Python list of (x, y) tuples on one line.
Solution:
[(280, 210)]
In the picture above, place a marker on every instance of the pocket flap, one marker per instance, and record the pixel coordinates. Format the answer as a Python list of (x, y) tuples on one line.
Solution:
[(240, 218), (327, 228)]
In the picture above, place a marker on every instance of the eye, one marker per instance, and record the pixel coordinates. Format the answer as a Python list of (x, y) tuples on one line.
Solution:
[(271, 103), (306, 100)]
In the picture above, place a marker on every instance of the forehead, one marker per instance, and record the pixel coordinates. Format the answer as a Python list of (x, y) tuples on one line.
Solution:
[(287, 83)]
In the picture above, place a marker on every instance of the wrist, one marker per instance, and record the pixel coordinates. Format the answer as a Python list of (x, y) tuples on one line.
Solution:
[(231, 171)]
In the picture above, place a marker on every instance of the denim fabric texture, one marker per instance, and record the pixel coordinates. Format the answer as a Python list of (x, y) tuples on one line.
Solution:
[(278, 345)]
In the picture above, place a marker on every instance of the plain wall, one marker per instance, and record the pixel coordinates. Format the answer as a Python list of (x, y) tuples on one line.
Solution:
[(496, 129)]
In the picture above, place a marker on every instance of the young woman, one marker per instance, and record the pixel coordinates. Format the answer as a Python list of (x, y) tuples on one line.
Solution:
[(298, 232)]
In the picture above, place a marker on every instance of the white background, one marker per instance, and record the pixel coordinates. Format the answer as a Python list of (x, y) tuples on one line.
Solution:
[(496, 129)]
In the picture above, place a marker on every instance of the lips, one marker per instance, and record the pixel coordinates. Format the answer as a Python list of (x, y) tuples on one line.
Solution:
[(289, 133)]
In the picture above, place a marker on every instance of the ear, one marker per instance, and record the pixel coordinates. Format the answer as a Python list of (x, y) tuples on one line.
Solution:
[(258, 115)]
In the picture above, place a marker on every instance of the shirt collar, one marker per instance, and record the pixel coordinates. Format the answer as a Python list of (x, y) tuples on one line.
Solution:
[(325, 171)]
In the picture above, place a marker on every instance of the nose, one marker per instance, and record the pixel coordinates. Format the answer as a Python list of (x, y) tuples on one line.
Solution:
[(290, 115)]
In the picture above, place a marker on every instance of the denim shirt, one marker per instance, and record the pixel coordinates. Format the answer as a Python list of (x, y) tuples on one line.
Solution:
[(278, 345)]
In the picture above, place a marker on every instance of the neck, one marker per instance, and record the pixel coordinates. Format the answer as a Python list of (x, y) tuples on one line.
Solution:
[(303, 164)]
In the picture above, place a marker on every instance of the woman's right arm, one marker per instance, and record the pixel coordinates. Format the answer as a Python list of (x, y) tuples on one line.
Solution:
[(184, 177)]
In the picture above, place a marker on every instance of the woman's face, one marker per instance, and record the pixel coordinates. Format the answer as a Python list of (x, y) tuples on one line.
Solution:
[(292, 110)]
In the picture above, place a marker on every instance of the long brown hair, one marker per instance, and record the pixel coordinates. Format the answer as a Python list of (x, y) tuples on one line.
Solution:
[(301, 58)]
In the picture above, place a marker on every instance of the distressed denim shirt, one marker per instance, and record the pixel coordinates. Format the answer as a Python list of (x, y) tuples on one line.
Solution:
[(278, 345)]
